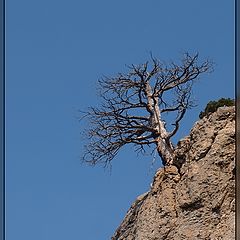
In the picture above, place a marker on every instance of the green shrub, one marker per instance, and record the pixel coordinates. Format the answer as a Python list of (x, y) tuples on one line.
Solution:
[(212, 106)]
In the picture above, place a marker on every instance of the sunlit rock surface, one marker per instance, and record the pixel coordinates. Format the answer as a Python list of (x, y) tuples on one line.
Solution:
[(196, 201)]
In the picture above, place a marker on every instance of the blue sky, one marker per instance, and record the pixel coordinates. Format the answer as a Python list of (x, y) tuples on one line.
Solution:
[(56, 51)]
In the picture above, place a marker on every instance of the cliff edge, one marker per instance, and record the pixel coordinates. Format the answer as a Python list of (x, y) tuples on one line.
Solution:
[(196, 201)]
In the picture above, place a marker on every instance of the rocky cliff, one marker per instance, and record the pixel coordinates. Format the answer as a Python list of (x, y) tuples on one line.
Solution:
[(197, 199)]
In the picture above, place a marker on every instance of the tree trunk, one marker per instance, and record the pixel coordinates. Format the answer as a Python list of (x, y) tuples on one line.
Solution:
[(165, 151), (164, 146)]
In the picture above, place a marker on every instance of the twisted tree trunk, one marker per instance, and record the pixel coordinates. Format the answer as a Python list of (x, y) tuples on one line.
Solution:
[(165, 151), (164, 147)]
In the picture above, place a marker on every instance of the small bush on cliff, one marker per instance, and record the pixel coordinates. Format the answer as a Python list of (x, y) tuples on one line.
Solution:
[(212, 106)]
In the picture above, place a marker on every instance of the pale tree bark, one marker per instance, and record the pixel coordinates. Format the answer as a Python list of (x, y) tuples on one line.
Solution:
[(163, 145), (134, 105)]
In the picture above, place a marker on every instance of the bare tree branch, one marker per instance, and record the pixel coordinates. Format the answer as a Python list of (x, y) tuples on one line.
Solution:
[(133, 106)]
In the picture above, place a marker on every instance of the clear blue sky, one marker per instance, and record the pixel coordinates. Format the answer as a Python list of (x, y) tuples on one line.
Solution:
[(56, 51)]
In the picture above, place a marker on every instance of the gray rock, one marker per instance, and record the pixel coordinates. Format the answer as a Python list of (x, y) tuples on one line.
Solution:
[(197, 201)]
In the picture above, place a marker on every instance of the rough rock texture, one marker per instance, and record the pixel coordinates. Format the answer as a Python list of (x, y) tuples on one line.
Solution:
[(198, 200)]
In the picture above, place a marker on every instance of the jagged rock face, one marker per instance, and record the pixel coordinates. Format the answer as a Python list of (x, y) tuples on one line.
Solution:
[(197, 201)]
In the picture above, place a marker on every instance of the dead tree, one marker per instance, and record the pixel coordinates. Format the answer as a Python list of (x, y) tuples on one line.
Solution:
[(134, 105)]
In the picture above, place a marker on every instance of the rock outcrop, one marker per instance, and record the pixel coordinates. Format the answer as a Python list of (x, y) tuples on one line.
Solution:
[(197, 199)]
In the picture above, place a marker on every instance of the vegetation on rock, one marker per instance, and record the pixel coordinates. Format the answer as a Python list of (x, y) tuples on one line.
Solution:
[(212, 106)]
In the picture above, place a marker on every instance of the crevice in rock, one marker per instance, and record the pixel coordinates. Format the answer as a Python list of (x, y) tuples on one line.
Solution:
[(192, 205)]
